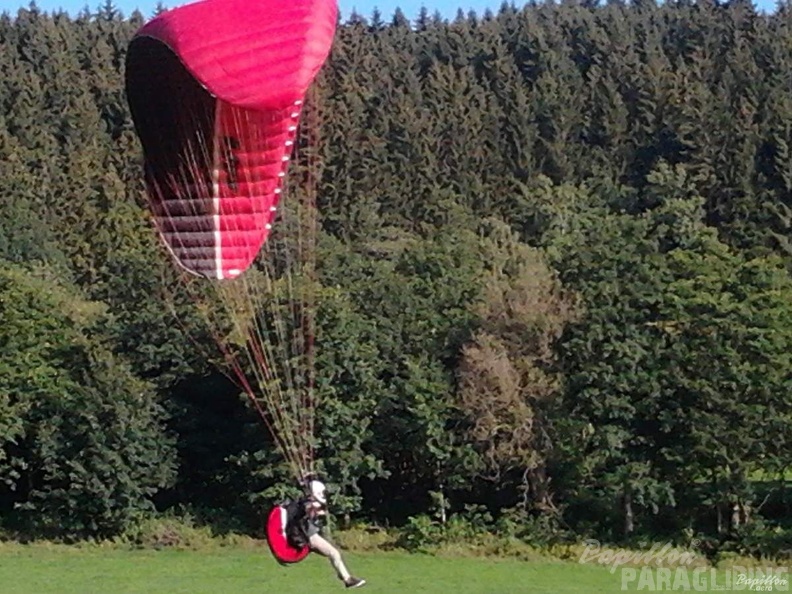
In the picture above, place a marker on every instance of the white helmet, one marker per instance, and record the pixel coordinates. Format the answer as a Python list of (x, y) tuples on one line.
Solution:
[(318, 491)]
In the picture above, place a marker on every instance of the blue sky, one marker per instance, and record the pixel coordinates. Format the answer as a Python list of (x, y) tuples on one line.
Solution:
[(447, 8)]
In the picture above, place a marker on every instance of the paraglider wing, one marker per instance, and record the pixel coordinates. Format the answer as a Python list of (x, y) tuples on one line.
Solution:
[(216, 89)]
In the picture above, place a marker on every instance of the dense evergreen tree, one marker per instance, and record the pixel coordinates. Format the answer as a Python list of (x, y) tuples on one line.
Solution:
[(84, 449)]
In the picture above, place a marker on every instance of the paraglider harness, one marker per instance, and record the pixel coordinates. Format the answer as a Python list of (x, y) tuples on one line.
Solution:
[(280, 546), (300, 524), (290, 526)]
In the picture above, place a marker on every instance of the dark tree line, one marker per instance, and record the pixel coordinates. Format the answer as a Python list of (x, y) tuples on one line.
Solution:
[(554, 259)]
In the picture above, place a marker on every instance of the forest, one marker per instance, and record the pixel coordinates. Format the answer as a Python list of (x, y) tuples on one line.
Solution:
[(554, 250)]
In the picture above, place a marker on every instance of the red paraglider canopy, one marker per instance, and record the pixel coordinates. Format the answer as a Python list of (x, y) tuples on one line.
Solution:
[(276, 538), (216, 90)]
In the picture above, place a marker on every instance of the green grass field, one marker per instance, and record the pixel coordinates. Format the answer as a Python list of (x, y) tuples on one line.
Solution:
[(41, 569)]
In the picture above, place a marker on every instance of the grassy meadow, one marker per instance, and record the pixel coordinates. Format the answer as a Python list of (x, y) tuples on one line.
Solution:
[(55, 569), (40, 569)]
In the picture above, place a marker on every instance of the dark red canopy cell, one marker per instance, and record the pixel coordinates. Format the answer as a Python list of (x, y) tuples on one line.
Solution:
[(216, 90)]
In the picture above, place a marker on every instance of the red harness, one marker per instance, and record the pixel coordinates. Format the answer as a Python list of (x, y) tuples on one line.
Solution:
[(278, 543)]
